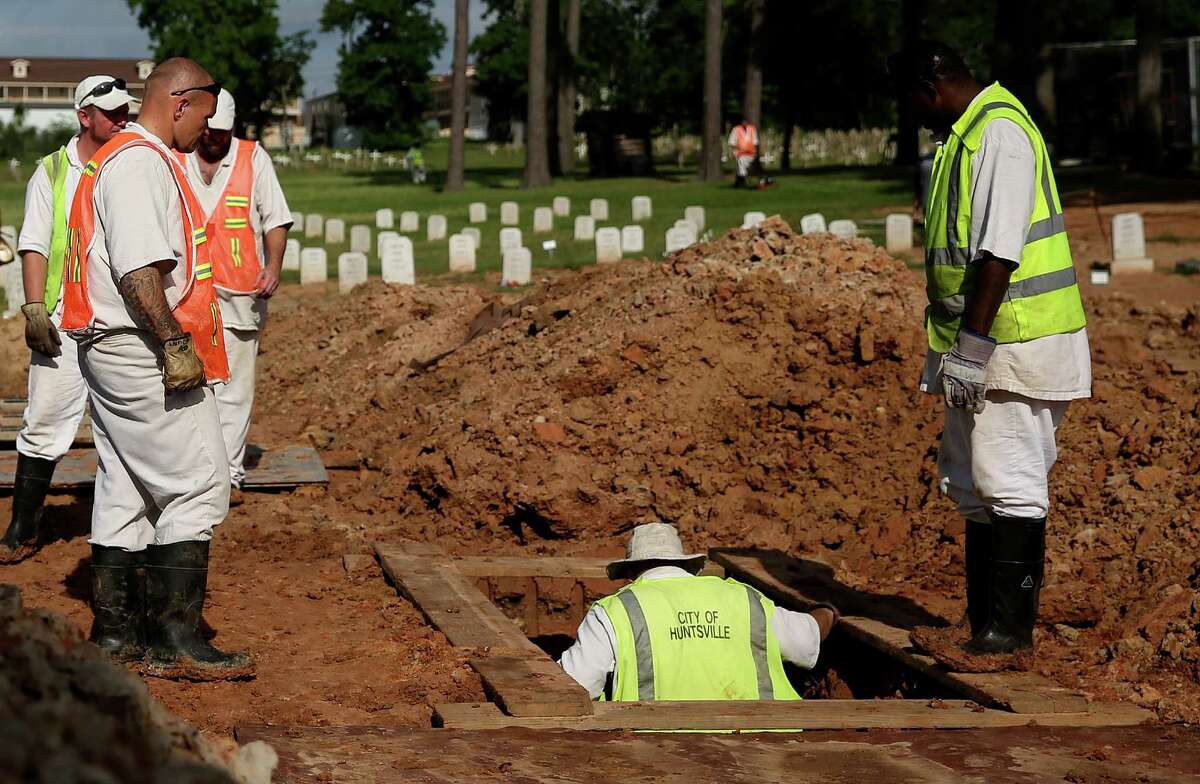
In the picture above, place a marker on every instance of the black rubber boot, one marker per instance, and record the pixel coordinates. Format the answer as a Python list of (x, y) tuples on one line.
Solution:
[(1017, 564), (978, 566), (118, 602), (31, 483), (176, 581)]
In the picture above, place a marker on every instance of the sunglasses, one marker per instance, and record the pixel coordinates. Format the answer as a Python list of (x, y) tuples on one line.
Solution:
[(213, 89), (104, 88)]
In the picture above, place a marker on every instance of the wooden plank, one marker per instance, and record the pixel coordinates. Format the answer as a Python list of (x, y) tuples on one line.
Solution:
[(801, 715), (546, 566), (798, 584), (83, 438), (526, 686), (288, 467)]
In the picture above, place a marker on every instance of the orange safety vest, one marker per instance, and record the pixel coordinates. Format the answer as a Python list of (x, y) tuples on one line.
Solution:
[(232, 245), (197, 311), (744, 134)]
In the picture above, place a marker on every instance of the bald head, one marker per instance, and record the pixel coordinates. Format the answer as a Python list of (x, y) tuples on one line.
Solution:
[(179, 98), (177, 73)]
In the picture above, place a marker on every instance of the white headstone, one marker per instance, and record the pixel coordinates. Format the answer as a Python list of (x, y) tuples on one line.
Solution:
[(335, 231), (633, 240), (12, 281), (477, 212), (435, 227), (543, 220), (462, 253), (291, 255), (385, 218), (679, 238), (314, 265), (608, 245), (642, 208), (696, 215), (314, 226), (813, 223), (844, 229), (509, 238), (1128, 236), (382, 239), (684, 223), (475, 234), (562, 206), (352, 270), (598, 209), (898, 232), (410, 221), (510, 213), (298, 221), (518, 267), (585, 227), (396, 260), (360, 239), (9, 233), (752, 219)]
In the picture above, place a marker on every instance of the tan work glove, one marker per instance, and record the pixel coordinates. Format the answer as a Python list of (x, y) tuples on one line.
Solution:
[(182, 368), (40, 334)]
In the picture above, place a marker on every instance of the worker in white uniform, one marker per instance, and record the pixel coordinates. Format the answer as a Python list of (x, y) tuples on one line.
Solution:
[(1008, 344), (248, 218), (57, 395), (673, 635), (139, 300)]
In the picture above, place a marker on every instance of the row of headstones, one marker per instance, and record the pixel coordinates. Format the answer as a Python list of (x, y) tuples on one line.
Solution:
[(898, 229), (641, 207)]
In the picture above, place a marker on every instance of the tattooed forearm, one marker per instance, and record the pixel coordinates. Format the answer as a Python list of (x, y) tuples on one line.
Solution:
[(143, 294)]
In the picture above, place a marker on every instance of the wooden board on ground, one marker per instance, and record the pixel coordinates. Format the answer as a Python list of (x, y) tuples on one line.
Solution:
[(13, 409), (798, 715), (548, 566), (876, 621), (287, 467)]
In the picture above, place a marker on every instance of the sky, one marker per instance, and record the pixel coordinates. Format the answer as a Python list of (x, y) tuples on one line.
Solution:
[(107, 28)]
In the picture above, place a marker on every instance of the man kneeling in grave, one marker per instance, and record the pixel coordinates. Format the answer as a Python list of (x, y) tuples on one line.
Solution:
[(673, 635)]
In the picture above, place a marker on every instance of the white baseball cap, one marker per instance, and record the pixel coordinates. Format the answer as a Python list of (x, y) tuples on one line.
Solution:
[(112, 93), (222, 119)]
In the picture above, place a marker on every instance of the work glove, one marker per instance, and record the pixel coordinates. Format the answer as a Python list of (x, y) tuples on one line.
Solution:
[(40, 334), (182, 369), (964, 371)]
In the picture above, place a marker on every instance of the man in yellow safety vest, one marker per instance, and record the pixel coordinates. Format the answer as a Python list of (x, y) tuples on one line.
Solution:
[(673, 635), (1008, 345)]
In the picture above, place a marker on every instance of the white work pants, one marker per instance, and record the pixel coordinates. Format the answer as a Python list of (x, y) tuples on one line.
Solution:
[(999, 460), (163, 476), (57, 400), (235, 400), (744, 162)]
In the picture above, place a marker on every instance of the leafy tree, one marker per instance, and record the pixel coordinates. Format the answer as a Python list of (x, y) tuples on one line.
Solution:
[(238, 42), (501, 55), (383, 73)]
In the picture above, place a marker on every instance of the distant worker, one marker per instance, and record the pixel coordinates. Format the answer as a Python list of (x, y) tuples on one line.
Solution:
[(139, 298), (671, 635), (415, 159), (248, 219), (57, 395), (743, 145), (1008, 344)]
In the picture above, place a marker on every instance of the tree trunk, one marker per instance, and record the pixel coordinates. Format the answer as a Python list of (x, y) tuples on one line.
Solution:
[(755, 54), (710, 166), (567, 92), (1018, 24), (907, 147), (458, 99), (537, 162), (1148, 118)]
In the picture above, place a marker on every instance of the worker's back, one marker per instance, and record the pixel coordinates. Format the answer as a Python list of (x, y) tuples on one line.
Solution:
[(695, 638)]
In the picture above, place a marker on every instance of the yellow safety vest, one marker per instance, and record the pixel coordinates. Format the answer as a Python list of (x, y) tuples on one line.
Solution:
[(56, 165), (1043, 297)]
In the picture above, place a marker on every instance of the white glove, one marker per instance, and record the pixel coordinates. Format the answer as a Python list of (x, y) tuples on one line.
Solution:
[(964, 371)]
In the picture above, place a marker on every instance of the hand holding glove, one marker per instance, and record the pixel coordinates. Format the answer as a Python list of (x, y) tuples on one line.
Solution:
[(182, 368), (40, 334), (964, 371)]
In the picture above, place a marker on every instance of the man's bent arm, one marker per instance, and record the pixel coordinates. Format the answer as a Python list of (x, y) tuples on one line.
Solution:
[(34, 268), (144, 296), (991, 286), (274, 244)]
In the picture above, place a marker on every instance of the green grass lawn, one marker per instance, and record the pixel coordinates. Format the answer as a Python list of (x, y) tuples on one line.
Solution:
[(353, 193)]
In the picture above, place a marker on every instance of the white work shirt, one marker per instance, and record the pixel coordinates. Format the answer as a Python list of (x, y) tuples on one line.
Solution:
[(1003, 194), (138, 222), (38, 224), (733, 136), (594, 654), (269, 211)]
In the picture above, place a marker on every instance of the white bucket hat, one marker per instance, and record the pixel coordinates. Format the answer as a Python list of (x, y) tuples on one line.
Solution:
[(654, 542)]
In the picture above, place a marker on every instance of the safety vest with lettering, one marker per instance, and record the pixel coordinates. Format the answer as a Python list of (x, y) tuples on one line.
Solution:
[(695, 638), (232, 244), (57, 166), (196, 311), (744, 136), (1043, 297)]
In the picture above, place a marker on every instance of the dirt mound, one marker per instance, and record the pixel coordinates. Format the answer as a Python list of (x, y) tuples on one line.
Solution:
[(67, 713)]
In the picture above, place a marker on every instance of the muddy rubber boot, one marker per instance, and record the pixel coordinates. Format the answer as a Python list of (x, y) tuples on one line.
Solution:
[(176, 581), (30, 485), (118, 602), (1017, 563)]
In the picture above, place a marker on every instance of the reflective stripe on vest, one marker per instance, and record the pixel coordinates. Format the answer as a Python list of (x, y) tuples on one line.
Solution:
[(57, 165), (234, 250), (1043, 295)]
